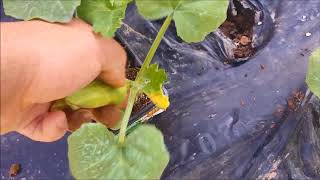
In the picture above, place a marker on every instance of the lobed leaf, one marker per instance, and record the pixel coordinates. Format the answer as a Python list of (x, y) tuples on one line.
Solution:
[(313, 75), (152, 80), (94, 153), (51, 11), (105, 15), (194, 19)]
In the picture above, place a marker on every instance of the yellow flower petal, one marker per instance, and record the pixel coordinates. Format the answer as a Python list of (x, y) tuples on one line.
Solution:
[(159, 99)]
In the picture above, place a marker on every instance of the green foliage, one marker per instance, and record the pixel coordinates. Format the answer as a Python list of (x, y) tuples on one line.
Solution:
[(194, 19), (105, 15), (313, 76), (152, 80), (96, 94), (94, 153), (51, 11)]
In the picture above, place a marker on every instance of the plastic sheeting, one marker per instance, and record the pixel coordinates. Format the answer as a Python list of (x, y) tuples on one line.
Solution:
[(232, 122), (225, 121)]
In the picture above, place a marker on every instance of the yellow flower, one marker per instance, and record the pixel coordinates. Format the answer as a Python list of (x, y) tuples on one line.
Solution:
[(159, 99)]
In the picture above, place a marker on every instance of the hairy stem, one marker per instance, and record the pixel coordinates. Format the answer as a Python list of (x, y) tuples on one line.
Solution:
[(134, 90), (126, 116), (155, 45)]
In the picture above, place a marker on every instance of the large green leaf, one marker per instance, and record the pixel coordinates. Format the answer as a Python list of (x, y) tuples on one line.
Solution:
[(152, 80), (96, 94), (48, 10), (313, 76), (94, 153), (194, 19), (105, 15)]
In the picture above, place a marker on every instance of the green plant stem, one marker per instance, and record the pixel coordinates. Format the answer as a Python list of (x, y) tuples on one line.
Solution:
[(134, 90), (154, 46), (126, 116)]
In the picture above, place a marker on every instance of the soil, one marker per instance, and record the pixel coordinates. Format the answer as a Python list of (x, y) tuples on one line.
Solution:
[(131, 73), (14, 169), (142, 100), (239, 29)]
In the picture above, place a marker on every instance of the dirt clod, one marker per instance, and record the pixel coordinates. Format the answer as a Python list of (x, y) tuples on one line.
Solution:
[(14, 169)]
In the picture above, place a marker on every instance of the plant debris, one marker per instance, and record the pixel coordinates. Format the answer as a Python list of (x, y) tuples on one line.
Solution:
[(14, 169), (294, 101)]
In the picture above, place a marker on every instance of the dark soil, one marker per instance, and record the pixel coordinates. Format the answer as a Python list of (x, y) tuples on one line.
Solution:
[(142, 100), (131, 73), (14, 169), (239, 29)]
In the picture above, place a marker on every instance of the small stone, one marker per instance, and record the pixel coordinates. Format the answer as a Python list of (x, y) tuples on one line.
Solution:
[(242, 103), (259, 23), (244, 40), (308, 34), (211, 116)]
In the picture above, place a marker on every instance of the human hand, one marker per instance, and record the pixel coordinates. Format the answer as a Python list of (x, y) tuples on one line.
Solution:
[(42, 62)]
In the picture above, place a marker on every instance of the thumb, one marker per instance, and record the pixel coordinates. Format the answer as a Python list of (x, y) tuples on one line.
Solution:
[(47, 128)]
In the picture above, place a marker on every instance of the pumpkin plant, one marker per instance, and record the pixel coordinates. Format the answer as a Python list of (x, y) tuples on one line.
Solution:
[(94, 151)]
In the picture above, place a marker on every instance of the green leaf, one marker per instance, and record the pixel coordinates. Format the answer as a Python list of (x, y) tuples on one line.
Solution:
[(105, 15), (153, 10), (152, 80), (194, 19), (94, 153), (96, 94), (51, 11), (313, 76)]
